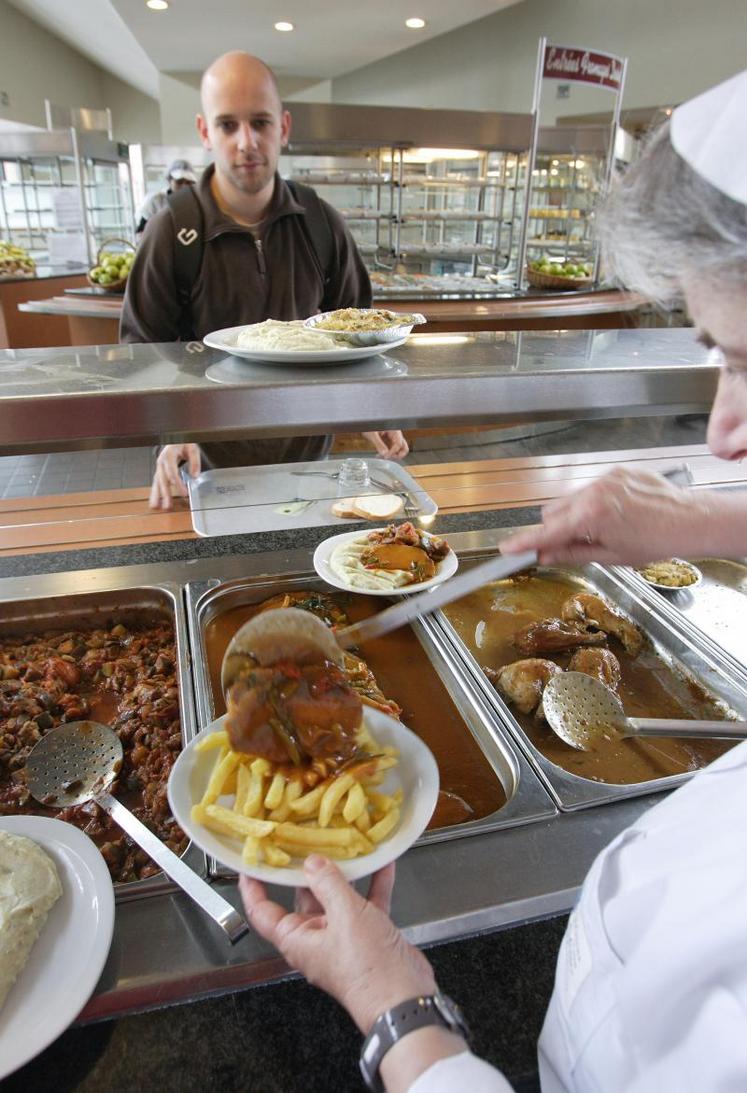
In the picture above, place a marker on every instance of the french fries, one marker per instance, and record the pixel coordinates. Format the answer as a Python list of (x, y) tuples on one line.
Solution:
[(278, 819)]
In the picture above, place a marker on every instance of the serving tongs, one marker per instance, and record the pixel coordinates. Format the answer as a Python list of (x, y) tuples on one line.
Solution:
[(78, 762), (586, 714)]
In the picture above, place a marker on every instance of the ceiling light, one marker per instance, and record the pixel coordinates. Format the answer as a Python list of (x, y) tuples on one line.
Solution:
[(157, 5), (284, 27), (415, 24)]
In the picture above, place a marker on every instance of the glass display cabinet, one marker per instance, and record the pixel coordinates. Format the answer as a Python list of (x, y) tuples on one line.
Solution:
[(63, 183)]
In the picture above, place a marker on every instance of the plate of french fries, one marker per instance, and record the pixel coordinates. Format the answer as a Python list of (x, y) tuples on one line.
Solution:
[(261, 819)]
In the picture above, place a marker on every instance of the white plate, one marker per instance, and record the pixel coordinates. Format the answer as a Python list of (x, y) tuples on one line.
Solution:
[(226, 340), (447, 567), (67, 959), (416, 773)]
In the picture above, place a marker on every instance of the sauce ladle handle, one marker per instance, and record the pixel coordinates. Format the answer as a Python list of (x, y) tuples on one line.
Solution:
[(667, 726)]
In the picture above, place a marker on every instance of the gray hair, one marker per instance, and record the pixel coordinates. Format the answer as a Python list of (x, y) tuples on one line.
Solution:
[(662, 221)]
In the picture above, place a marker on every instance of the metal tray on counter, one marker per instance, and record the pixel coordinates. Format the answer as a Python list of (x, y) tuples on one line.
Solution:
[(715, 608), (526, 799), (283, 496), (681, 648), (87, 609)]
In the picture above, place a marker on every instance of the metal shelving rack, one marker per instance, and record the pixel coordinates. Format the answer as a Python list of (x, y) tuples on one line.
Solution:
[(34, 166)]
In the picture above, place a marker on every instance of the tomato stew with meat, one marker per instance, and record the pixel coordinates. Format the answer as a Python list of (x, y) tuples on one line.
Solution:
[(122, 673)]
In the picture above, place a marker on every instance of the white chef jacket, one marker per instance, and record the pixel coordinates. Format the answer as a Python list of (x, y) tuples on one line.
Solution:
[(651, 984)]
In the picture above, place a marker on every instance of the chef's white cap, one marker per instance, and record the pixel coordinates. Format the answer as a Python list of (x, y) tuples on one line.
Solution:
[(710, 133)]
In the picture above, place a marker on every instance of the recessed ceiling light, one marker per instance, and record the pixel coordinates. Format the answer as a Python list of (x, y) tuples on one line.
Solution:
[(415, 23), (284, 27), (157, 5)]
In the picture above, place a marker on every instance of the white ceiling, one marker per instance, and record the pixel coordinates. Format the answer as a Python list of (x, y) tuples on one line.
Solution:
[(331, 36)]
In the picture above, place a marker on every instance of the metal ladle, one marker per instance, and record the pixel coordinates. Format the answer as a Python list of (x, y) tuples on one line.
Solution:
[(586, 714), (78, 762)]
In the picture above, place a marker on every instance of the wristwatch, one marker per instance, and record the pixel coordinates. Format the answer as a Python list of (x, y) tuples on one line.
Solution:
[(393, 1024)]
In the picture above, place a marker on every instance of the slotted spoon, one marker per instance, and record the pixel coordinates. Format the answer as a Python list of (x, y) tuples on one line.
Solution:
[(78, 762), (586, 714)]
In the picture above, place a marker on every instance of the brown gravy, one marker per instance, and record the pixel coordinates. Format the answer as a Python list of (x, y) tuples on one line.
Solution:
[(486, 621), (469, 787)]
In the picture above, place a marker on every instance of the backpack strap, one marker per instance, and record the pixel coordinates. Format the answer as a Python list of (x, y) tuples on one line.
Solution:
[(317, 228), (189, 246)]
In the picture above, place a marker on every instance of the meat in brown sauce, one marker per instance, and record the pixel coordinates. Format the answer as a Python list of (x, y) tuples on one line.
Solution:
[(553, 636), (289, 713), (524, 681), (588, 610), (123, 675), (599, 663)]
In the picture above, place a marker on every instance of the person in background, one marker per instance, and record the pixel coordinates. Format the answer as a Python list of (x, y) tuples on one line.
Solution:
[(261, 257), (651, 983), (180, 173)]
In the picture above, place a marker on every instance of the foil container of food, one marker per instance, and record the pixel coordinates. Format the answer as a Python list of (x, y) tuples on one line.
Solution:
[(366, 326)]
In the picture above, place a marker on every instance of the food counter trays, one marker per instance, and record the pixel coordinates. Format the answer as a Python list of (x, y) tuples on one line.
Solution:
[(23, 621), (680, 665), (485, 776), (164, 950)]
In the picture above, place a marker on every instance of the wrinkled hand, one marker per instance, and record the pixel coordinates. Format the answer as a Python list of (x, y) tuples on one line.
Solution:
[(626, 517), (344, 944), (390, 444), (167, 480)]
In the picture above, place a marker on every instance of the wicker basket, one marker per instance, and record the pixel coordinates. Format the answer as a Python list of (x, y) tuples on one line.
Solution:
[(551, 280), (115, 286)]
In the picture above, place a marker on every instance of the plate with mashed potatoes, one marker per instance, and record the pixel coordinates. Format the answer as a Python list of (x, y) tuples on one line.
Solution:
[(56, 924), (275, 342), (388, 561)]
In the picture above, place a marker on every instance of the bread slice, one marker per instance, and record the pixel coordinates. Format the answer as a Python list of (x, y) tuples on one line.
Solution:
[(378, 506), (344, 507)]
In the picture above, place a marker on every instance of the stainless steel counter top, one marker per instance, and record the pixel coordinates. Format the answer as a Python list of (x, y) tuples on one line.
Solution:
[(110, 395), (165, 950)]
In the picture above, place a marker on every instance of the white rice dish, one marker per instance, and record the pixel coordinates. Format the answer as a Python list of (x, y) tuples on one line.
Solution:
[(345, 562), (272, 334)]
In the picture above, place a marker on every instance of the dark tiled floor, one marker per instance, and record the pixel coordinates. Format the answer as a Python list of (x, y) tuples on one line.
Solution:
[(113, 468)]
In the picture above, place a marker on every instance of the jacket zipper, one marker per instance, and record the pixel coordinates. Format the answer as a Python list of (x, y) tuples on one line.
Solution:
[(260, 257)]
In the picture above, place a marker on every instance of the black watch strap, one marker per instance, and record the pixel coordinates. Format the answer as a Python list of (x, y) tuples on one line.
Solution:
[(391, 1026)]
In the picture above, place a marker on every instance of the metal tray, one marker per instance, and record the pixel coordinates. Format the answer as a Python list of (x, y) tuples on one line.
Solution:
[(57, 612), (232, 500), (527, 801), (715, 609), (682, 648)]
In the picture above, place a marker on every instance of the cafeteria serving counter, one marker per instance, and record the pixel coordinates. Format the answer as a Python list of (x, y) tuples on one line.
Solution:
[(106, 396), (492, 877)]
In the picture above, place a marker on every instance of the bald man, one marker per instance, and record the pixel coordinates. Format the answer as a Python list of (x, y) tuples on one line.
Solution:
[(260, 258)]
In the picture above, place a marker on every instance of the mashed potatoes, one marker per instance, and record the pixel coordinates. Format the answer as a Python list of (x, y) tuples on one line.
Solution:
[(272, 334), (29, 888), (672, 574)]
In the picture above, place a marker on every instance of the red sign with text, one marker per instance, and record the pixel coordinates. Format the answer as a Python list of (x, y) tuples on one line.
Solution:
[(563, 63)]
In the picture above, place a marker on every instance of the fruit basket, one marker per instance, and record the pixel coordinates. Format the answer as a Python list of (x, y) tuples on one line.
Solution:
[(112, 269), (15, 262), (542, 278)]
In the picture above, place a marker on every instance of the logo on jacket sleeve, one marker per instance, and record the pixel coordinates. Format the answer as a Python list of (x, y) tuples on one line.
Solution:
[(186, 236)]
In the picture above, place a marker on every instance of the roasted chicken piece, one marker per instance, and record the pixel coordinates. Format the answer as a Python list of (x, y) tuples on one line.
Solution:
[(552, 636), (523, 682), (290, 713), (587, 609), (599, 663)]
